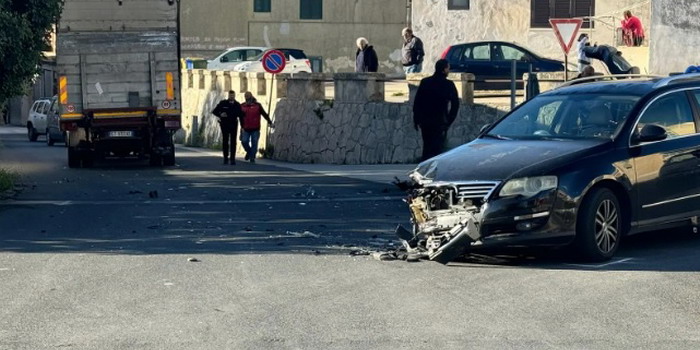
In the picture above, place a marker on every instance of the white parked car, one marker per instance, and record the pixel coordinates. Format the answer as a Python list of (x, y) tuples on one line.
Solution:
[(297, 62), (233, 57), (36, 121)]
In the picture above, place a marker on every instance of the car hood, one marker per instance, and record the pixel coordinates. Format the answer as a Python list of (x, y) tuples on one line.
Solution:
[(499, 160)]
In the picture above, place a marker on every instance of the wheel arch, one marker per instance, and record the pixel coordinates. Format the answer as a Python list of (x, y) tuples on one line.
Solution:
[(620, 191)]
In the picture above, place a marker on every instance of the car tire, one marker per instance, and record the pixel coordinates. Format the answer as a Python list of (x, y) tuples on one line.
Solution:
[(49, 140), (31, 133), (73, 158), (599, 225)]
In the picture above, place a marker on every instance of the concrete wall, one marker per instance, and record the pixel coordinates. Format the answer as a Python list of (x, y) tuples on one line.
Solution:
[(355, 127), (509, 20), (675, 39), (208, 30)]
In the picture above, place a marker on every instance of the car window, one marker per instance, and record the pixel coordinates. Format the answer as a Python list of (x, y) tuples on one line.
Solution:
[(455, 53), (233, 56), (54, 107), (33, 109), (480, 52), (42, 108), (510, 53), (567, 116), (673, 113), (297, 54), (251, 54)]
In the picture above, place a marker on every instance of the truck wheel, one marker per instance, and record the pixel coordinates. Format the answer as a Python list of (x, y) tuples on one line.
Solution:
[(73, 158), (169, 159), (31, 133), (599, 226), (49, 140), (154, 160)]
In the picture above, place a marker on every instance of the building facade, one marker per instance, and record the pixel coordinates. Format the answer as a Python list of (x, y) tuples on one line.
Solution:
[(441, 23), (325, 29), (675, 40)]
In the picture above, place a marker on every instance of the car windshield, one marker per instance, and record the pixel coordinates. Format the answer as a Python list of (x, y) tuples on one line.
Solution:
[(580, 116)]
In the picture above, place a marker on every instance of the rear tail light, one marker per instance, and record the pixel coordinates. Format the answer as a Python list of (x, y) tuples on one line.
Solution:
[(446, 52), (308, 63)]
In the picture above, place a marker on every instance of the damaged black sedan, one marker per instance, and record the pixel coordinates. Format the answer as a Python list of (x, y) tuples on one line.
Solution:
[(583, 165)]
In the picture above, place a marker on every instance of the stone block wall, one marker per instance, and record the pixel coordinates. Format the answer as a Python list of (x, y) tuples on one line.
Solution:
[(363, 133)]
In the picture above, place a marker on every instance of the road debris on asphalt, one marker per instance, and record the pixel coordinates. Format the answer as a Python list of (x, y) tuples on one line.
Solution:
[(193, 260), (305, 234)]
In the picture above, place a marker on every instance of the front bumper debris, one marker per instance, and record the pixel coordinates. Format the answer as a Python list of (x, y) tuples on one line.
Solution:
[(444, 226)]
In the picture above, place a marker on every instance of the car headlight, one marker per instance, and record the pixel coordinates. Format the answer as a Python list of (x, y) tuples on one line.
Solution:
[(528, 186)]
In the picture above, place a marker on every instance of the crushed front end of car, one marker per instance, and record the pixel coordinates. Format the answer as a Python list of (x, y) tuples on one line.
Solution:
[(446, 216)]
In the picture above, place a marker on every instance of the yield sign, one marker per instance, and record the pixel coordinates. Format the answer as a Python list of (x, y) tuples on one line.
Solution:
[(566, 29)]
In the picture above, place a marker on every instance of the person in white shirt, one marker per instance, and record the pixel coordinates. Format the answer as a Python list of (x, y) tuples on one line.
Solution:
[(583, 60)]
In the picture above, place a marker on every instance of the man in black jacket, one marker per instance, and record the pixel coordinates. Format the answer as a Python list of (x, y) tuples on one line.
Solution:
[(365, 58), (229, 112), (430, 109)]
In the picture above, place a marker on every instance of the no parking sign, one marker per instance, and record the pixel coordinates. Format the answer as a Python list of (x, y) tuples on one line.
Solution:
[(274, 62)]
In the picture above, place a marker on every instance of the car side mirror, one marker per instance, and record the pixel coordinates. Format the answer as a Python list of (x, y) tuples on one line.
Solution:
[(651, 133), (483, 128), (224, 59)]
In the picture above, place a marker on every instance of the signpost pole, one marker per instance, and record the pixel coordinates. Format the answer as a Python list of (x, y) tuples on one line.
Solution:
[(566, 67), (273, 62)]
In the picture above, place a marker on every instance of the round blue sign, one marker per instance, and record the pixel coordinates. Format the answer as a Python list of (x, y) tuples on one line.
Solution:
[(273, 61)]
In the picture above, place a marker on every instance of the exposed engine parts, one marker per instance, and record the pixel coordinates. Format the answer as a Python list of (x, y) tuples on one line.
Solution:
[(444, 224)]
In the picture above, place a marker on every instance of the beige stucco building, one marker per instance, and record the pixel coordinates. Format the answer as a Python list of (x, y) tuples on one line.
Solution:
[(324, 29), (439, 23)]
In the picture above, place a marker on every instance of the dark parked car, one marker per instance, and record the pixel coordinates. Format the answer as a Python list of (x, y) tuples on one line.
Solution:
[(585, 164), (492, 60)]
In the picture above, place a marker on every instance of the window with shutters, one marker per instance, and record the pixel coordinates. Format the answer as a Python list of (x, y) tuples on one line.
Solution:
[(542, 10), (262, 5), (458, 4), (311, 9)]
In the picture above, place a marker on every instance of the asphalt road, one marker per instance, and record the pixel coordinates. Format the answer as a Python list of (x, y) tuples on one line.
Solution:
[(88, 260)]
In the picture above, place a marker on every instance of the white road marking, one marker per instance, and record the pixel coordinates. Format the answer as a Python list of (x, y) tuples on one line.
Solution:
[(602, 265), (200, 202)]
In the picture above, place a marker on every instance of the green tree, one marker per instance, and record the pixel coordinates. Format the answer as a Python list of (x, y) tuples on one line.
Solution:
[(25, 30)]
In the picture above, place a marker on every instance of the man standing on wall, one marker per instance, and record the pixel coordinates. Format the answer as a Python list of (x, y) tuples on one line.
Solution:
[(229, 112), (412, 52), (250, 135), (430, 109)]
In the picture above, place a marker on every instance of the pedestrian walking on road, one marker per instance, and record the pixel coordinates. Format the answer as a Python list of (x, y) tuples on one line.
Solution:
[(633, 29), (435, 109), (229, 113), (412, 52), (365, 58), (250, 135)]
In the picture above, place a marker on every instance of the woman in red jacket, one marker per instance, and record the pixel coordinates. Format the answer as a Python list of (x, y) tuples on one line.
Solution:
[(632, 27), (250, 135)]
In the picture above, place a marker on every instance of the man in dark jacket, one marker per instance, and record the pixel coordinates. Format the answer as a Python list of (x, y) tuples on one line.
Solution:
[(430, 109), (250, 135), (412, 52), (229, 112), (366, 58)]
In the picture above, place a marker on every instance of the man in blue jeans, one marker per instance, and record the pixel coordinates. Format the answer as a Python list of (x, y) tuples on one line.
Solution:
[(412, 52), (250, 135)]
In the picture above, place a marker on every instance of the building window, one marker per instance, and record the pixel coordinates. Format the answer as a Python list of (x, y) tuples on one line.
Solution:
[(458, 4), (311, 9), (262, 5), (542, 10)]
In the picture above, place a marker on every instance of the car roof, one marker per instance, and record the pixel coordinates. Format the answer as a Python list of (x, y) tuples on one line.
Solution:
[(616, 87), (246, 48)]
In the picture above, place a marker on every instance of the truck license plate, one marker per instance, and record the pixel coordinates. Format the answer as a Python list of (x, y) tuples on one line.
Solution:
[(121, 133)]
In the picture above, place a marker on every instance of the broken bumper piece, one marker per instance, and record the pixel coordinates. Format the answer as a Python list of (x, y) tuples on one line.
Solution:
[(444, 247)]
